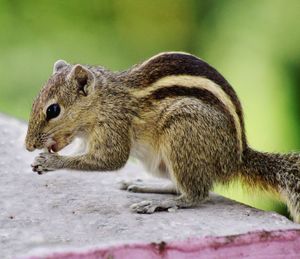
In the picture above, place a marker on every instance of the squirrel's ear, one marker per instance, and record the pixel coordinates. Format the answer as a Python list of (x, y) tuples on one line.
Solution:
[(58, 65), (84, 78)]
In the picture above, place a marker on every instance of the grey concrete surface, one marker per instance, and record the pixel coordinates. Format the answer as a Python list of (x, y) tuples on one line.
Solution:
[(67, 209)]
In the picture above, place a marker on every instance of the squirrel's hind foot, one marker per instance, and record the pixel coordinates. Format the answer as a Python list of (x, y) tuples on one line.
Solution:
[(149, 207)]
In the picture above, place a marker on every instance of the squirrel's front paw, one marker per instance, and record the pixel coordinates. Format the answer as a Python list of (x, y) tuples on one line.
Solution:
[(46, 162)]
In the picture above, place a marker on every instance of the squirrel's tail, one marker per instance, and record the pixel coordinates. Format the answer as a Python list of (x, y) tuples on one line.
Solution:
[(277, 172)]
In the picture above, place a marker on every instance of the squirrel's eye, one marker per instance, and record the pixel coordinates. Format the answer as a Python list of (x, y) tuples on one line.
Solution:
[(52, 111)]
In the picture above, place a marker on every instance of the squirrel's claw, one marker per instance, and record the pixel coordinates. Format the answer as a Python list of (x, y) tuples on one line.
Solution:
[(39, 169)]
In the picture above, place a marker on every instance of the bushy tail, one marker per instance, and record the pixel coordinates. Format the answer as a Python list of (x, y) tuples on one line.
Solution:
[(278, 172)]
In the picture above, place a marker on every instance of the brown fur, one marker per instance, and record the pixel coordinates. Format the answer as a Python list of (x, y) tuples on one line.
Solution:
[(174, 63), (185, 133)]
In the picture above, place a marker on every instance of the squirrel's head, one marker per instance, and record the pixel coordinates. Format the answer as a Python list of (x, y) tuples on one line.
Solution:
[(58, 110)]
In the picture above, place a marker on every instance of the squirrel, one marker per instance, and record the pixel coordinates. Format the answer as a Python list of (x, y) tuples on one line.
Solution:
[(174, 112)]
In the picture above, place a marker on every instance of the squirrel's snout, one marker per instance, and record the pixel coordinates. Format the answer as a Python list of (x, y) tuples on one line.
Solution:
[(29, 144), (30, 147)]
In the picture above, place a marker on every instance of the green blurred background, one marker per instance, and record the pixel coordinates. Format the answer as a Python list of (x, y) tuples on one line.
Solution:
[(254, 44)]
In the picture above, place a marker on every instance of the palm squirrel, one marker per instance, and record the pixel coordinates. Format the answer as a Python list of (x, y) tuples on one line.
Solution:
[(174, 112)]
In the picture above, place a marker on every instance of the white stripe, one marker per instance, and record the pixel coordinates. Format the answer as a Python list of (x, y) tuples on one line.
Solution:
[(200, 82)]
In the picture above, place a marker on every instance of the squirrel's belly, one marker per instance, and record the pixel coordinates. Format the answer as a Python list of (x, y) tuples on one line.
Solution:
[(151, 159)]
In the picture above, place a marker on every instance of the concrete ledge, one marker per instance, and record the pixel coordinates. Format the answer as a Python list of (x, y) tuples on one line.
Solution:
[(67, 211)]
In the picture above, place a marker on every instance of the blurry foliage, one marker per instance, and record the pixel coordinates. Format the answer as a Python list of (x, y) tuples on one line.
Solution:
[(254, 44)]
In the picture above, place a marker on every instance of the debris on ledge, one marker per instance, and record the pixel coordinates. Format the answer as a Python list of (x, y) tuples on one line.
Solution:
[(68, 214)]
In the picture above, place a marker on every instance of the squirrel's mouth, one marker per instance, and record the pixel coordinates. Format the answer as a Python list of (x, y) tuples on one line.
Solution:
[(53, 148)]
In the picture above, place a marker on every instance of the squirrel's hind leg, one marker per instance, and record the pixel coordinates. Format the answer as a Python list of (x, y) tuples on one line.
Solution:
[(193, 192), (191, 170)]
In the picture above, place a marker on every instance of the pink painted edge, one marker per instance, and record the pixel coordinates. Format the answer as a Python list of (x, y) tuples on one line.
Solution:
[(278, 242)]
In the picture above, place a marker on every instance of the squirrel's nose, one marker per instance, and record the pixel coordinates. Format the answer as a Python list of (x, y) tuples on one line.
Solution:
[(30, 147)]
